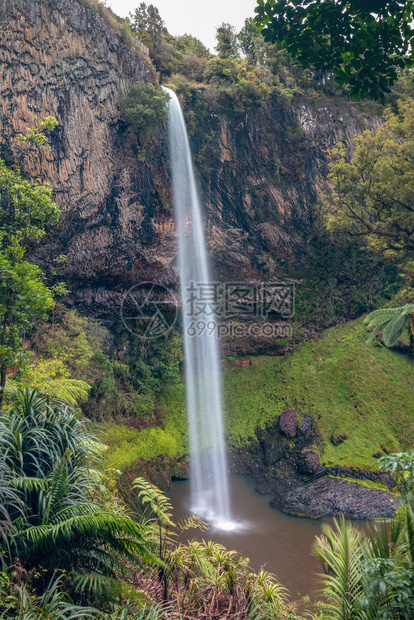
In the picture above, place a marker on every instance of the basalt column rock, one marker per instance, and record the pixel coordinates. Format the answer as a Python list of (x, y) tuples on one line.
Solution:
[(66, 59)]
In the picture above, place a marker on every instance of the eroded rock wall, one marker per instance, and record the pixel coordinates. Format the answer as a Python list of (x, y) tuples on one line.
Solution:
[(60, 58)]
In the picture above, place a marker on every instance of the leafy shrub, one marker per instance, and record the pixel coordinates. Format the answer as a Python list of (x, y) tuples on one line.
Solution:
[(20, 602), (145, 111), (50, 376), (221, 71), (126, 445)]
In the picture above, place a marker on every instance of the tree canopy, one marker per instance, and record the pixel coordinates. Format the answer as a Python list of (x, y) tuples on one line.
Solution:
[(227, 44), (373, 191), (26, 213), (362, 42)]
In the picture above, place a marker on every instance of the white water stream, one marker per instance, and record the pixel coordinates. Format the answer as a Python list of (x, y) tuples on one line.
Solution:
[(209, 481)]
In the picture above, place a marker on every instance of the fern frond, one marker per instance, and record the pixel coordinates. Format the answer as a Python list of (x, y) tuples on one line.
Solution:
[(156, 500), (391, 322), (193, 522)]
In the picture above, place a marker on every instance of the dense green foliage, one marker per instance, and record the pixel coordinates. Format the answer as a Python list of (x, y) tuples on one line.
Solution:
[(127, 445), (371, 575), (169, 54), (23, 300), (227, 44), (362, 43), (372, 192), (26, 214), (19, 602), (58, 517), (145, 110), (26, 211)]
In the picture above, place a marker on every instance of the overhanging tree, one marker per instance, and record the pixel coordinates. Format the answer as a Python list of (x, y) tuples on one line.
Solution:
[(26, 213), (373, 189), (362, 42)]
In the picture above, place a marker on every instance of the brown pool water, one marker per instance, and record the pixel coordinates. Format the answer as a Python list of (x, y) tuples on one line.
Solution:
[(269, 538)]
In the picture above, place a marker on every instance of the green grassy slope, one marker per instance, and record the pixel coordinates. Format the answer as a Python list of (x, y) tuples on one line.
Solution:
[(363, 391)]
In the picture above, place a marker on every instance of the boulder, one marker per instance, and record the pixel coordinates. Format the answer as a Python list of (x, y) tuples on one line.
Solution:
[(274, 449), (305, 423), (288, 423), (338, 438), (308, 463)]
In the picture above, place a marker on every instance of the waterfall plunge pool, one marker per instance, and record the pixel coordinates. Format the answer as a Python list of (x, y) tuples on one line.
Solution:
[(271, 539)]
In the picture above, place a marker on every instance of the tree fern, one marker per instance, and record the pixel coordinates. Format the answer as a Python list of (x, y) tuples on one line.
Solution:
[(392, 322), (59, 520)]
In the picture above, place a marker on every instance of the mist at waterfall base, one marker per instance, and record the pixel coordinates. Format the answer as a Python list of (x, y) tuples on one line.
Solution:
[(208, 467)]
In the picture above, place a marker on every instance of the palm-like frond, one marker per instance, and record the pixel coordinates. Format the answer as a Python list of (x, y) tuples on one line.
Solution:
[(267, 598), (48, 462), (18, 603), (105, 588), (390, 321), (340, 552)]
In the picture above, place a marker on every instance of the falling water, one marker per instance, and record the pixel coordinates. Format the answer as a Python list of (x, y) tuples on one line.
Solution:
[(209, 484)]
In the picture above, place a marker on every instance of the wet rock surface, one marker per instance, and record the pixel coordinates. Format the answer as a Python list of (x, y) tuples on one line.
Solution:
[(288, 423), (330, 496), (290, 471), (308, 463)]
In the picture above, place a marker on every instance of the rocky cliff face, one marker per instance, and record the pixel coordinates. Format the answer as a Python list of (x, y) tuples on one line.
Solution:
[(60, 58), (261, 176), (260, 173)]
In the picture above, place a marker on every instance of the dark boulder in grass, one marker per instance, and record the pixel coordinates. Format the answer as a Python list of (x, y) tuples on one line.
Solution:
[(308, 463), (288, 423), (305, 423), (338, 438)]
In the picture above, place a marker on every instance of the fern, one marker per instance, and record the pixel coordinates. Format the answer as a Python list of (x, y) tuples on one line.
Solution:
[(392, 322), (158, 503), (59, 518)]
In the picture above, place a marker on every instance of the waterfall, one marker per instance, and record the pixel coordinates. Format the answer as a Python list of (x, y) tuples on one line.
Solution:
[(208, 467)]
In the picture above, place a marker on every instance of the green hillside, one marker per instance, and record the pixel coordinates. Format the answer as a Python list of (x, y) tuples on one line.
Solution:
[(363, 391)]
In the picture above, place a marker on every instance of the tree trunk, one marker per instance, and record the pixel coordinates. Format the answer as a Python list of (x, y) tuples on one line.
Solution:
[(3, 374), (411, 330)]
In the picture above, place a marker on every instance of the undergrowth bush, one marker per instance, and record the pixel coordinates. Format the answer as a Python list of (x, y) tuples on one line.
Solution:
[(126, 445)]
